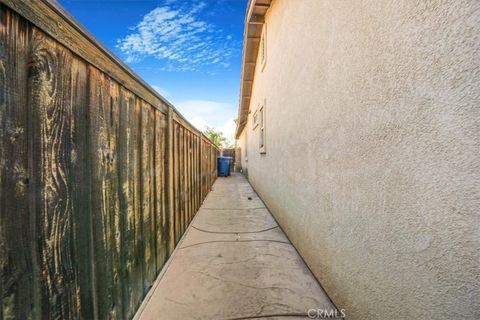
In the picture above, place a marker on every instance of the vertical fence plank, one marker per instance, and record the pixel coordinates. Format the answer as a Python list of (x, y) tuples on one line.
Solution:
[(209, 178), (185, 179), (186, 188), (161, 230), (139, 261), (202, 168), (189, 175), (207, 168), (176, 174), (192, 176), (194, 173), (214, 156), (115, 213), (104, 118), (81, 190), (147, 157), (16, 231), (125, 195), (212, 166), (190, 166), (169, 182), (199, 170), (181, 169), (131, 270), (51, 110)]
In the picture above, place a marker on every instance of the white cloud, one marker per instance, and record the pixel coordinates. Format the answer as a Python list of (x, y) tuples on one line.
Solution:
[(177, 35), (203, 113), (199, 123), (228, 129), (163, 92), (212, 112)]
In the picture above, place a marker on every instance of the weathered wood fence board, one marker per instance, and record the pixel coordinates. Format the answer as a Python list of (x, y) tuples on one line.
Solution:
[(99, 176), (161, 222), (16, 227)]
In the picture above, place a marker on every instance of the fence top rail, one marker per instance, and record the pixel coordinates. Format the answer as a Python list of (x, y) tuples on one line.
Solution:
[(51, 18)]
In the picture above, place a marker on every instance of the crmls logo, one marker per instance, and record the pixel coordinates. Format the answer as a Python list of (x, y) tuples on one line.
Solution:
[(326, 314)]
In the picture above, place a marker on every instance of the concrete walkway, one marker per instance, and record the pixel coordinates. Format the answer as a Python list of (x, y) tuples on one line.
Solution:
[(234, 262)]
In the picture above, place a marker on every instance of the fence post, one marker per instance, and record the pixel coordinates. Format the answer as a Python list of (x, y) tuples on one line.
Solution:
[(169, 183)]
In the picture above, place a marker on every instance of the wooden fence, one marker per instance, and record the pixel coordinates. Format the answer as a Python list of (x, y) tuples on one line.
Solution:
[(99, 175)]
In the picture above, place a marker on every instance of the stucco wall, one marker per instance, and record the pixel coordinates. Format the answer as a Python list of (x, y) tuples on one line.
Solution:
[(241, 143), (373, 142)]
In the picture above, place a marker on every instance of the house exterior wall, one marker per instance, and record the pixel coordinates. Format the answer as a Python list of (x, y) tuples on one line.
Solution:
[(372, 164), (241, 143)]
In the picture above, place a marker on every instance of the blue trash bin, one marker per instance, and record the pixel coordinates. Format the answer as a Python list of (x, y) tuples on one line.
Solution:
[(223, 166)]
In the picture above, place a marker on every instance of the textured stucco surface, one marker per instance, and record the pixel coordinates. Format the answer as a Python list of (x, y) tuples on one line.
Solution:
[(373, 142), (241, 143)]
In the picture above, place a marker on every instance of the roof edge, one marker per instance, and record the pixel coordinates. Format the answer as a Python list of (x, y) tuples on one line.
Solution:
[(255, 15)]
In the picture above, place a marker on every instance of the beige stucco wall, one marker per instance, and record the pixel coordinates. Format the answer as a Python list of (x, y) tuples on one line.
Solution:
[(373, 143), (241, 143)]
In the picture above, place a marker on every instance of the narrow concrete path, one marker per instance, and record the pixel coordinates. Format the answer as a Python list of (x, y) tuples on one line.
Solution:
[(234, 262)]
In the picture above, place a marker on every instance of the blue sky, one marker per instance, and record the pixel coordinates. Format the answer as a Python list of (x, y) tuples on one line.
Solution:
[(188, 50)]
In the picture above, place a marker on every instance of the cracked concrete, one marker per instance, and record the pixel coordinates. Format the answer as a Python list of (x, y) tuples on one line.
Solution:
[(234, 262)]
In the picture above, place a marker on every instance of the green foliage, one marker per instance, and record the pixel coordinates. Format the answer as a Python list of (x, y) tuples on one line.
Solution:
[(217, 138)]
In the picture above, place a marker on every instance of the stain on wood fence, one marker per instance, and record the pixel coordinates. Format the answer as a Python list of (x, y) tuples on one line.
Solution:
[(99, 175)]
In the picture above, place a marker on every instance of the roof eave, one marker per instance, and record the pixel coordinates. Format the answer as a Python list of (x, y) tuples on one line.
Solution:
[(254, 20)]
